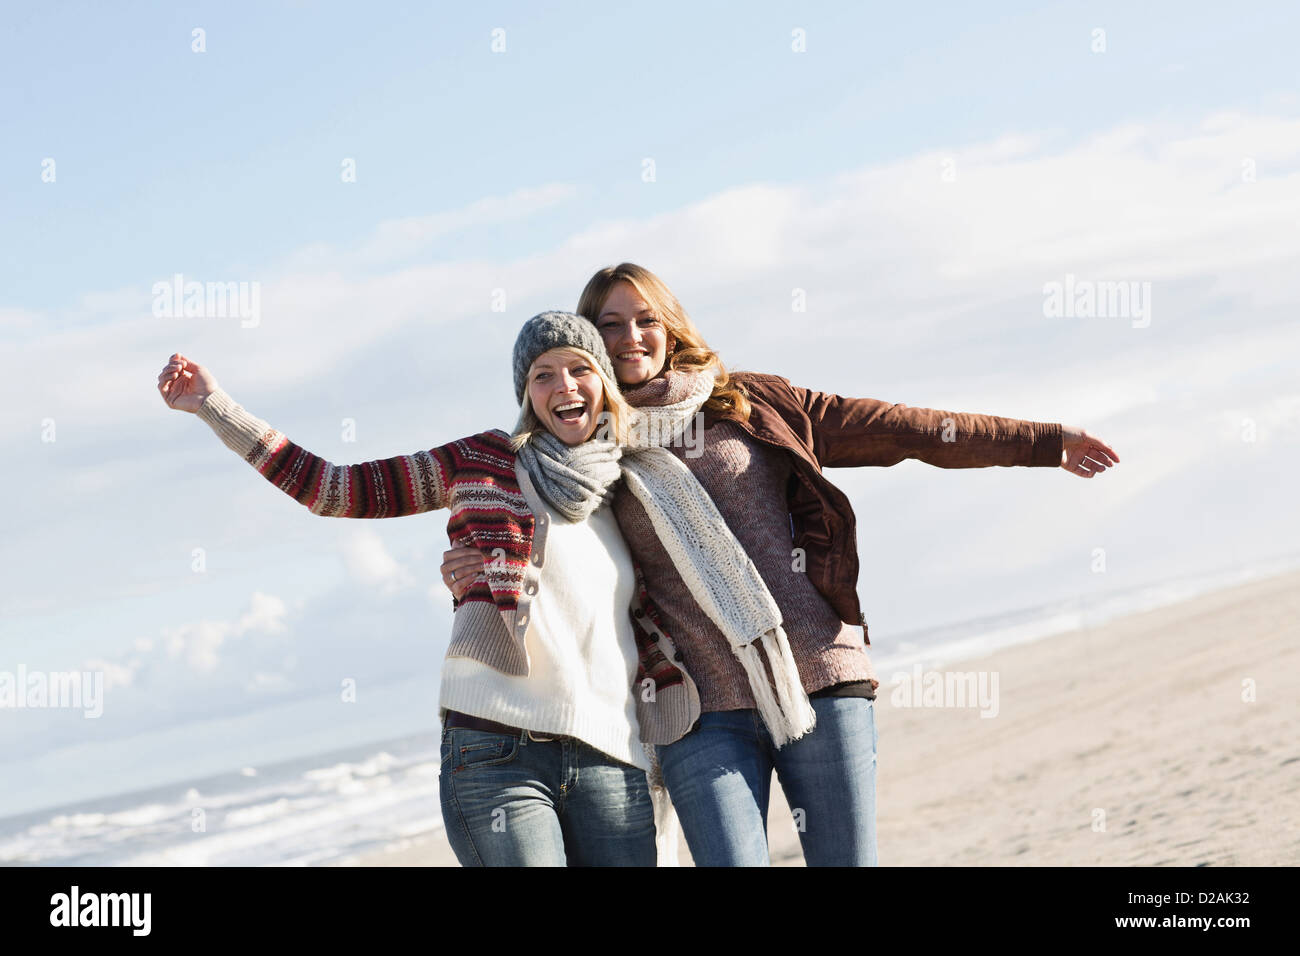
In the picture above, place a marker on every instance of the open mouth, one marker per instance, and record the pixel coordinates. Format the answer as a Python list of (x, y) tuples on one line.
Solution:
[(635, 355), (570, 412)]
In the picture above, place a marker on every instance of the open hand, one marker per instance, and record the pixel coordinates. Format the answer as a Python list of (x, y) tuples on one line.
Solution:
[(1083, 454)]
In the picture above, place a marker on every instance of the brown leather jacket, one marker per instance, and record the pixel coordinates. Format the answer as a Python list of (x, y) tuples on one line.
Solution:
[(822, 430)]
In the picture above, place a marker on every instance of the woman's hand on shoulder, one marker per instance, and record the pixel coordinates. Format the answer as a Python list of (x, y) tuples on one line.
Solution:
[(184, 383)]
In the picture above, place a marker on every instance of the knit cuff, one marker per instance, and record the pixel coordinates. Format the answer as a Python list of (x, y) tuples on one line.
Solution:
[(237, 429)]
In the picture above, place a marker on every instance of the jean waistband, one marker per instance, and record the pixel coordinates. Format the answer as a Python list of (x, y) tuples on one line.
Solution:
[(468, 721)]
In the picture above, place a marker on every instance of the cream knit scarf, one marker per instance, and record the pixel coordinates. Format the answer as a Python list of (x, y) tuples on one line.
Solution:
[(717, 570)]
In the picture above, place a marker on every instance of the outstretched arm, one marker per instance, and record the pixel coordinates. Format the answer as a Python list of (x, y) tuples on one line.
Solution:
[(849, 432), (388, 488)]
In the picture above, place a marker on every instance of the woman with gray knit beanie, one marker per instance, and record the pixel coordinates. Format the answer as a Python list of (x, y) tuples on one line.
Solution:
[(760, 455), (548, 674)]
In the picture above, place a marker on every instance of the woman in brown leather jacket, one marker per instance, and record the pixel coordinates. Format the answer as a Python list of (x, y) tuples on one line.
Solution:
[(759, 453)]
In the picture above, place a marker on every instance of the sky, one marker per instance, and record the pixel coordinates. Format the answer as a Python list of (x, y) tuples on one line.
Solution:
[(868, 200)]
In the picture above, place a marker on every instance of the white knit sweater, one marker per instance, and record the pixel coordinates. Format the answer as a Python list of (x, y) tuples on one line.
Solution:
[(581, 650)]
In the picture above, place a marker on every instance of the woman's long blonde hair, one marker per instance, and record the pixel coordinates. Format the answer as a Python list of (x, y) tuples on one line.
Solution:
[(691, 351), (613, 423)]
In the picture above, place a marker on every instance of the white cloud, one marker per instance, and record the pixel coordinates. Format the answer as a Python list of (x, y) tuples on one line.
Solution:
[(115, 674), (266, 614), (400, 239), (268, 683), (12, 320), (891, 241), (1276, 418), (197, 642), (369, 562)]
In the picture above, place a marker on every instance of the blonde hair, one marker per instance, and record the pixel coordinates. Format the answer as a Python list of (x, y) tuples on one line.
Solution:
[(615, 419), (691, 351)]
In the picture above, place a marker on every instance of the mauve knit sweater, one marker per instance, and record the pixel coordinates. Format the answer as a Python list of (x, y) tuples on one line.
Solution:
[(747, 481)]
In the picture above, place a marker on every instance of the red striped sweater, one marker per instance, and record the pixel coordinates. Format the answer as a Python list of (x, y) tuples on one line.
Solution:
[(474, 477), (478, 479)]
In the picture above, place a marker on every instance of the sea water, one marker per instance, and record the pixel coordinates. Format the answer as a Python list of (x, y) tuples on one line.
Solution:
[(307, 811)]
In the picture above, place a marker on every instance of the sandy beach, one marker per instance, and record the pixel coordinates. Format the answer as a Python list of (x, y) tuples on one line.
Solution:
[(1170, 737)]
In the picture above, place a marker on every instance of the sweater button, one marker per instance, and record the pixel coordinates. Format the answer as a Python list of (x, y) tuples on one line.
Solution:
[(638, 613), (537, 558), (531, 589), (678, 657), (523, 619)]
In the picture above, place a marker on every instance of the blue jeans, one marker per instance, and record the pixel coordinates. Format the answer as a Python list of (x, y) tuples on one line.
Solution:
[(514, 801), (719, 777)]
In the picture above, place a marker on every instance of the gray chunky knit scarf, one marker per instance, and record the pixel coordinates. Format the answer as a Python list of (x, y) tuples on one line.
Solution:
[(575, 480)]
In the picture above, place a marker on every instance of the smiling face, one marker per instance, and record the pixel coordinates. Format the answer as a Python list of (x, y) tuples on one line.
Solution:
[(566, 394), (637, 341)]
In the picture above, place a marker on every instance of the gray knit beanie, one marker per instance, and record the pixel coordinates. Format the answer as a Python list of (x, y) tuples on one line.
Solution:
[(554, 330)]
